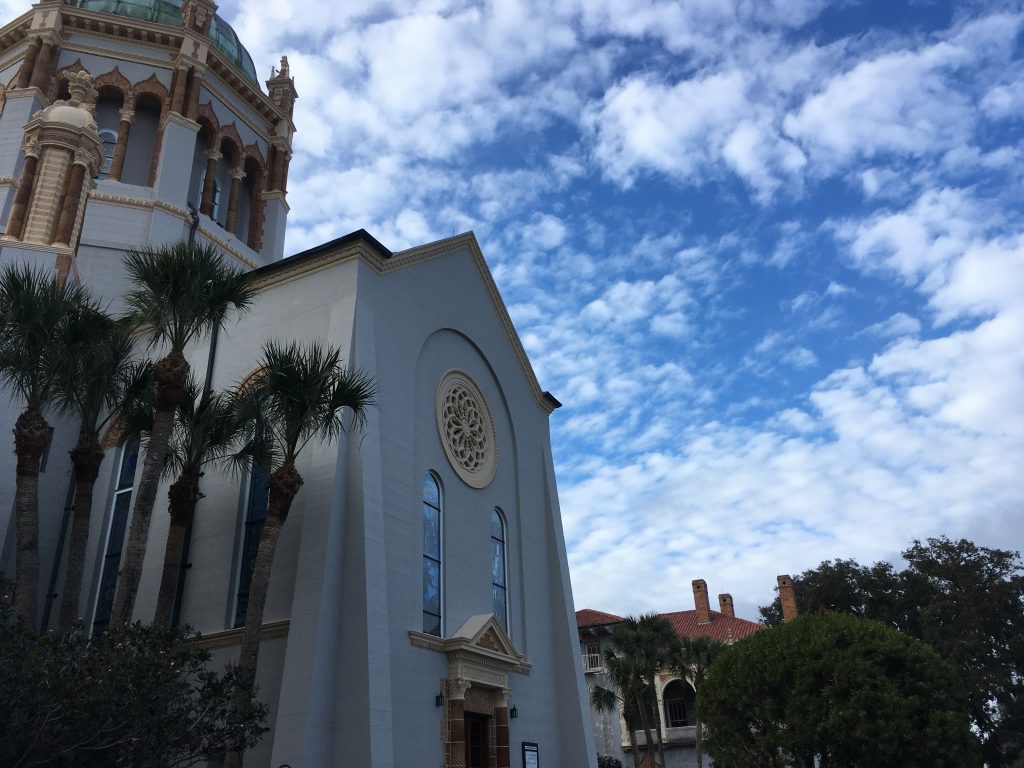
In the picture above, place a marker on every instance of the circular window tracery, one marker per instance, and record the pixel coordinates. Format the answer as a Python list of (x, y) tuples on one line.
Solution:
[(466, 429)]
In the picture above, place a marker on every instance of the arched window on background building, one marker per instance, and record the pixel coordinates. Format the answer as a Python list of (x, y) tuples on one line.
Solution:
[(679, 701), (499, 588), (121, 506), (431, 555)]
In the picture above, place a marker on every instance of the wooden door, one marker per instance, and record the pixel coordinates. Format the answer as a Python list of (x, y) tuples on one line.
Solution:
[(478, 744)]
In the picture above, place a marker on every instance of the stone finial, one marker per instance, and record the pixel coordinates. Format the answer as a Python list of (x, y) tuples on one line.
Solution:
[(281, 87), (82, 91)]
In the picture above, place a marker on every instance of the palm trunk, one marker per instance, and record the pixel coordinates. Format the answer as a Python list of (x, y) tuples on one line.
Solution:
[(31, 433), (86, 458), (649, 744), (183, 495), (631, 727), (657, 718), (284, 484), (170, 375)]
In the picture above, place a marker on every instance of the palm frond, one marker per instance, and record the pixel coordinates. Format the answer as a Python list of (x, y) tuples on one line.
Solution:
[(33, 309), (300, 395), (181, 291), (206, 429)]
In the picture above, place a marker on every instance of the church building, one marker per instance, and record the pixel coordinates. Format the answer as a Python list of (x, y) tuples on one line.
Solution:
[(419, 611)]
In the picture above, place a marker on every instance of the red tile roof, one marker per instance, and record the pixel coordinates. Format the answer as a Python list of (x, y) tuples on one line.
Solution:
[(588, 617), (721, 627)]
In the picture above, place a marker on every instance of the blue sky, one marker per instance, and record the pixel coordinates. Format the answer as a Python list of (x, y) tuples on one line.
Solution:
[(769, 253)]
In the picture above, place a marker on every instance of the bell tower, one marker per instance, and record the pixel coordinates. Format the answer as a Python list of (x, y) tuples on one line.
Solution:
[(118, 130)]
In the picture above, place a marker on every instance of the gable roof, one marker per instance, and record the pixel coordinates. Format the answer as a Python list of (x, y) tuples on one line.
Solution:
[(360, 244), (721, 627)]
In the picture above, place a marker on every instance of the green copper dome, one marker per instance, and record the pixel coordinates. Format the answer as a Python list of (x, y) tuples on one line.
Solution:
[(169, 12)]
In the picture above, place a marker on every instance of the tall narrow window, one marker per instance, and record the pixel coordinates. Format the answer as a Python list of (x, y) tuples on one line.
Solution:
[(499, 589), (109, 139), (255, 515), (115, 537), (431, 555)]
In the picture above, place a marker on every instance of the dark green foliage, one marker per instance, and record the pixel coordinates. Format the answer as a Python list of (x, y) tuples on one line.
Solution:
[(607, 761), (131, 697), (835, 691), (965, 601)]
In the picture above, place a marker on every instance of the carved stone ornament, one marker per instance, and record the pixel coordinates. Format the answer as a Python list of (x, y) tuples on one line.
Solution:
[(467, 430)]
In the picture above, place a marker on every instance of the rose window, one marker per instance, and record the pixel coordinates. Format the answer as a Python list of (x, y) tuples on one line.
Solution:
[(466, 429)]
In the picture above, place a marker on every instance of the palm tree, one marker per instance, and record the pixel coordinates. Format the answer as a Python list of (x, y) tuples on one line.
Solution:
[(624, 691), (33, 309), (96, 379), (206, 430), (693, 659), (656, 644), (181, 292), (299, 395)]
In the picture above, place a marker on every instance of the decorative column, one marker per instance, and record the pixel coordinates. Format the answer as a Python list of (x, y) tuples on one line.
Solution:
[(178, 87), (455, 735), (42, 69), (124, 129), (16, 221), (72, 199), (206, 203), (29, 63), (195, 81), (501, 736), (237, 174)]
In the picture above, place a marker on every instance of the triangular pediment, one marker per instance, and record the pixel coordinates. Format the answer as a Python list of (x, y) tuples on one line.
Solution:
[(484, 634)]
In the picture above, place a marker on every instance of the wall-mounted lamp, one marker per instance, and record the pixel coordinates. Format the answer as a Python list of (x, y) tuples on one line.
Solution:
[(513, 713), (439, 700)]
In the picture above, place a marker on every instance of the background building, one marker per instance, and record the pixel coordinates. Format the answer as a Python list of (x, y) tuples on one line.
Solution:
[(420, 595), (675, 693)]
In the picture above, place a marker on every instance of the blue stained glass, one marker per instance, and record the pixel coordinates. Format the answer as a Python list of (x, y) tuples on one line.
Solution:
[(119, 521), (431, 493), (431, 532), (497, 562), (432, 624), (497, 526), (431, 586), (129, 461), (499, 605)]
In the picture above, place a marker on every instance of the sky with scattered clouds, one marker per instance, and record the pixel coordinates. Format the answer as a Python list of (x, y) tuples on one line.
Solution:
[(768, 253)]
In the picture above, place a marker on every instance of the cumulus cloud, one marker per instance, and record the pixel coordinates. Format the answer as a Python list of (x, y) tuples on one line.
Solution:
[(721, 233)]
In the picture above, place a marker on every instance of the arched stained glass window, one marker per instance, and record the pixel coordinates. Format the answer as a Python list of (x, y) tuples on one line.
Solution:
[(431, 555), (499, 586), (115, 535), (256, 501)]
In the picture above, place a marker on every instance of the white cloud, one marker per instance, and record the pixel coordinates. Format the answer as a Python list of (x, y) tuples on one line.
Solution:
[(900, 324)]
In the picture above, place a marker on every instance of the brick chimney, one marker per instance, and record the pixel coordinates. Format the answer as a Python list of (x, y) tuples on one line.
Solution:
[(787, 596), (725, 605), (700, 601)]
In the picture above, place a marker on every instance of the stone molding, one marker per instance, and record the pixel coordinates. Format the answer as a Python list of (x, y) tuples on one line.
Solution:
[(230, 637), (182, 213)]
